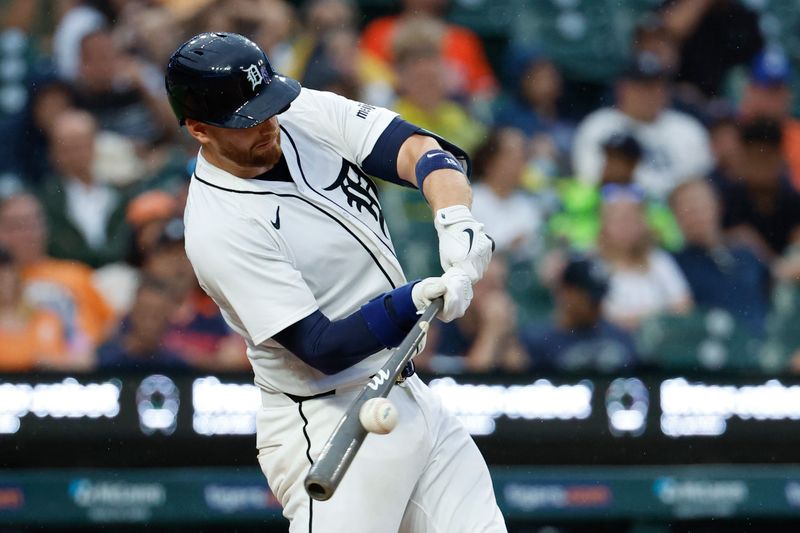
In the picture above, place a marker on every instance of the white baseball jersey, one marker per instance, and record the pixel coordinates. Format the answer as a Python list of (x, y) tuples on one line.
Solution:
[(676, 148), (272, 252)]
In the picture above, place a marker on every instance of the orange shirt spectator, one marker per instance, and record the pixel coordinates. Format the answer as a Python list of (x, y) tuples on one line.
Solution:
[(462, 50), (68, 283), (791, 149), (63, 287), (29, 337), (32, 339)]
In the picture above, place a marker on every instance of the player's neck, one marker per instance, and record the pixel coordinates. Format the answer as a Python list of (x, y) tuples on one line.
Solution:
[(231, 167)]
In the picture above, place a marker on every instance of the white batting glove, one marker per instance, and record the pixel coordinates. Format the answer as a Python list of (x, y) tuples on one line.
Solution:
[(462, 242), (456, 288)]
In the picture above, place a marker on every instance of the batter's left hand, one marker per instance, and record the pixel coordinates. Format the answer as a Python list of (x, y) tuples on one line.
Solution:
[(453, 286), (462, 242)]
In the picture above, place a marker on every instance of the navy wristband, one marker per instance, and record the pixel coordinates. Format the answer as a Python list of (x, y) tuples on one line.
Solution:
[(434, 160), (391, 315)]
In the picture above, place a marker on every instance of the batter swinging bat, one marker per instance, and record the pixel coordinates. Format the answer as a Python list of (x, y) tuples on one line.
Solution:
[(337, 454)]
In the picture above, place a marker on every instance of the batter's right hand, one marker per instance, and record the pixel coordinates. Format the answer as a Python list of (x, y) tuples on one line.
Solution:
[(454, 285)]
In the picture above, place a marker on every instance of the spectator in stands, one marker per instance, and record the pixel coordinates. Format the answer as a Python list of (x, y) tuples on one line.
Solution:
[(140, 22), (86, 219), (721, 275), (578, 339), (578, 221), (30, 337), (148, 214), (761, 206), (77, 19), (644, 279), (166, 260), (651, 35), (64, 287), (486, 338), (723, 131), (121, 92), (675, 145), (463, 54), (326, 55), (418, 56), (197, 332), (327, 71), (18, 57), (768, 94), (319, 18), (277, 26), (48, 98), (511, 216), (532, 106), (138, 345), (714, 36), (269, 23)]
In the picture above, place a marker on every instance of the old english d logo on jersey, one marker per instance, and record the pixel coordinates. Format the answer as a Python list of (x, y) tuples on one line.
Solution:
[(360, 192)]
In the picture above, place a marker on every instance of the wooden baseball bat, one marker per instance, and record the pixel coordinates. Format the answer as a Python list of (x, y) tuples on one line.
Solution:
[(337, 454)]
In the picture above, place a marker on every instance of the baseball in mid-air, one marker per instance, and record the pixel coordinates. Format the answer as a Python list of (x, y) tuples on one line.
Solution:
[(378, 415)]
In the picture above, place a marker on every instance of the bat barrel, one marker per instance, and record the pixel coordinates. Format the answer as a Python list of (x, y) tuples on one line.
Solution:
[(326, 473)]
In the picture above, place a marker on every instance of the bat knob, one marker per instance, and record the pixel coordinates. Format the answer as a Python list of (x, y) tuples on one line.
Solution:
[(317, 490)]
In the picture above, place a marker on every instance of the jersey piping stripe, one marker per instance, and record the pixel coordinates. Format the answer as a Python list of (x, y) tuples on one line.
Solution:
[(286, 195), (310, 462), (300, 166)]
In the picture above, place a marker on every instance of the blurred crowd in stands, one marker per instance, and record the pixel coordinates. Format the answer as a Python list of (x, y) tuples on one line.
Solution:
[(637, 163)]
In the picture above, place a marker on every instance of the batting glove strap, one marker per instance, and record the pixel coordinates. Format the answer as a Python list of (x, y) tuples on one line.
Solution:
[(447, 216), (391, 315)]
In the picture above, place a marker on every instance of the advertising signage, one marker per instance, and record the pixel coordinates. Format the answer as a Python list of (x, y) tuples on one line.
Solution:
[(152, 419)]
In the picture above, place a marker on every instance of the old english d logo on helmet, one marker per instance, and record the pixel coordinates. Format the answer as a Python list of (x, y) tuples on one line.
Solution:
[(226, 80)]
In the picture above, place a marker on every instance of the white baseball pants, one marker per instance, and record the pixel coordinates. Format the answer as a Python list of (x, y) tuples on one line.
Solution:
[(426, 476)]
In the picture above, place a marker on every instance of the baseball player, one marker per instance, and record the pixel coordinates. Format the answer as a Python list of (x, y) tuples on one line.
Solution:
[(286, 234)]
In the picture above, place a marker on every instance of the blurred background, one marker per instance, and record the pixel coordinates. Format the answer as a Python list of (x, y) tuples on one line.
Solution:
[(631, 360)]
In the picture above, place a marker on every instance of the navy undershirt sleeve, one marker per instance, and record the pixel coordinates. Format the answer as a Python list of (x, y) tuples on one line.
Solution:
[(382, 161), (331, 346)]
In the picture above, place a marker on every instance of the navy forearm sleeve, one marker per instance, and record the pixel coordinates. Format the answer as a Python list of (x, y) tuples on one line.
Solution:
[(330, 347)]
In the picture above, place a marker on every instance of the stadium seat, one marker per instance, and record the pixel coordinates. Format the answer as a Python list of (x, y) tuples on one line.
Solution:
[(702, 340), (487, 18), (783, 340), (412, 230), (588, 40), (533, 299)]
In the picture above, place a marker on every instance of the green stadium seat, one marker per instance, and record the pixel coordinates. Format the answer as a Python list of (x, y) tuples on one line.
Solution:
[(411, 225), (702, 340), (534, 301), (783, 340), (590, 41), (487, 18)]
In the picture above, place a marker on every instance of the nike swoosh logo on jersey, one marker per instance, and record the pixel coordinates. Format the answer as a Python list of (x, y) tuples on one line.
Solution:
[(471, 234), (277, 222)]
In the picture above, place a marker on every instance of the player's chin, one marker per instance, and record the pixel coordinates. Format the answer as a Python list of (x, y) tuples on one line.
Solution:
[(266, 155)]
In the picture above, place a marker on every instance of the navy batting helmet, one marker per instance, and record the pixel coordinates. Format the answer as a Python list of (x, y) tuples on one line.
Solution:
[(225, 79)]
